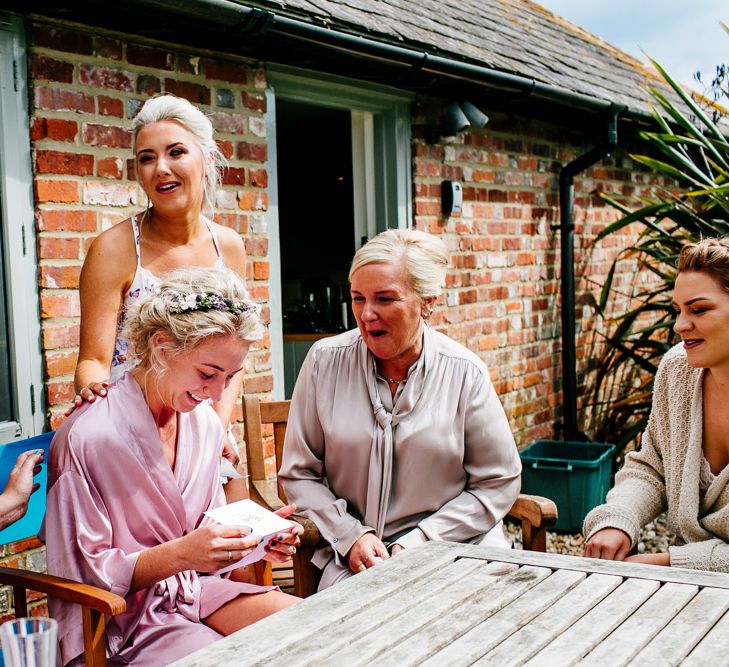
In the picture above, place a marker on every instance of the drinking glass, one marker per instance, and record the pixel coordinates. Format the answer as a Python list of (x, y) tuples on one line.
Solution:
[(29, 642)]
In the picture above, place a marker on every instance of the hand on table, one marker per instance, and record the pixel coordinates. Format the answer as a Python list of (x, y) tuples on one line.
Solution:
[(366, 552), (283, 546), (608, 544), (663, 558), (89, 394)]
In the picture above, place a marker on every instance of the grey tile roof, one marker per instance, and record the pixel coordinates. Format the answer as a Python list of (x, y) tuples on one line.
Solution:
[(514, 36)]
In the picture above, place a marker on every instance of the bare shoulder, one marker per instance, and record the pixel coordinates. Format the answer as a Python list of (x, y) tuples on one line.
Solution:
[(113, 251), (232, 247)]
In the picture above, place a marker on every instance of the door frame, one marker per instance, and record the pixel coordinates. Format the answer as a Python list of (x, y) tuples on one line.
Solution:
[(385, 165), (19, 237)]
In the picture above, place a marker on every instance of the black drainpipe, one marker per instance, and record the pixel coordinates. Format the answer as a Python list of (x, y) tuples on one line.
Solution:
[(567, 286)]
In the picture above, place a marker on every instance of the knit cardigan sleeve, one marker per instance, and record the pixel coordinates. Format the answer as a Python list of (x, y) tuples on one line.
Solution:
[(710, 555), (639, 494)]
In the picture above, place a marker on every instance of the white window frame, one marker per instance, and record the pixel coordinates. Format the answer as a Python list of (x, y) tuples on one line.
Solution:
[(18, 236), (381, 167)]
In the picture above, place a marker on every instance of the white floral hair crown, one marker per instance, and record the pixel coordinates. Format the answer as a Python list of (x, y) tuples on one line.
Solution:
[(204, 301)]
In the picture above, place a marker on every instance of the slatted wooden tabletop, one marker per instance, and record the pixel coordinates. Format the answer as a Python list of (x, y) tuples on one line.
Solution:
[(454, 604)]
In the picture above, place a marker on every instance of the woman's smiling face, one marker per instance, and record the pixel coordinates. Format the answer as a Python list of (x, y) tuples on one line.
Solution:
[(170, 167), (388, 311), (200, 373), (702, 319)]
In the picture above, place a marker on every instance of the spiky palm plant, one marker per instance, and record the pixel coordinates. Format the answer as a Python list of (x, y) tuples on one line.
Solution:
[(693, 151)]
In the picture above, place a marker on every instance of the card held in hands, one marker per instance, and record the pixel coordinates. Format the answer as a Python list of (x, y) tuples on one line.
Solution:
[(259, 519)]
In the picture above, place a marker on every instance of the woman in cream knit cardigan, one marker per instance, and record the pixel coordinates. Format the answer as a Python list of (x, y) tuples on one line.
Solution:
[(681, 466)]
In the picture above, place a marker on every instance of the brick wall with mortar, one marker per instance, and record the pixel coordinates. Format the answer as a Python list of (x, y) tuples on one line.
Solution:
[(85, 87), (502, 294)]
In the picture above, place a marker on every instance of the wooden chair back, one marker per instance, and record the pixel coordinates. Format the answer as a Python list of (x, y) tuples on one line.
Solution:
[(535, 513), (270, 493), (257, 414), (96, 603)]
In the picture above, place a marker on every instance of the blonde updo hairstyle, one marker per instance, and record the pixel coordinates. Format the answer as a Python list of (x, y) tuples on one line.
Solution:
[(710, 255), (424, 256), (179, 110), (186, 330)]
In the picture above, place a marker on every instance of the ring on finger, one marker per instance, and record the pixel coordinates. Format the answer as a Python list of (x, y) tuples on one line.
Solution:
[(365, 559), (230, 555)]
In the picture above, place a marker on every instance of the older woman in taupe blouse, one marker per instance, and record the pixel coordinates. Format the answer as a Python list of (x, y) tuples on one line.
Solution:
[(396, 435)]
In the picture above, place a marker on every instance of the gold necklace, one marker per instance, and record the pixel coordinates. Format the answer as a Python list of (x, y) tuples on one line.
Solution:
[(392, 380)]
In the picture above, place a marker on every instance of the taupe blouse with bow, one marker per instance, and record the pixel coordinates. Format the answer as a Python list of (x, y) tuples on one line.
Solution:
[(435, 462)]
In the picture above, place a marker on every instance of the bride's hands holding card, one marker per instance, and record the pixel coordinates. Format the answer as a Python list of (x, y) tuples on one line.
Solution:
[(213, 546), (268, 525), (283, 545)]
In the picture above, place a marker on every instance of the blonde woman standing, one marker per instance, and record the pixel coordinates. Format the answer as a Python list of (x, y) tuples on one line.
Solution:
[(178, 166)]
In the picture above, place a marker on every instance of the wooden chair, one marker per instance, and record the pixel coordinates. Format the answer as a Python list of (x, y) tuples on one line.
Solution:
[(535, 513), (95, 603)]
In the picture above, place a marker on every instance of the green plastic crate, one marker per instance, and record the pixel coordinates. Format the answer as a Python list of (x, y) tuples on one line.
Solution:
[(575, 475)]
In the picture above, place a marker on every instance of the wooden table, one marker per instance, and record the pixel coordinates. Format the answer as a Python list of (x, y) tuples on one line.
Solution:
[(445, 604)]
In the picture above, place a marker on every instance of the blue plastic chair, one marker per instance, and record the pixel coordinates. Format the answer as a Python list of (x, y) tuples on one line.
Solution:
[(95, 602)]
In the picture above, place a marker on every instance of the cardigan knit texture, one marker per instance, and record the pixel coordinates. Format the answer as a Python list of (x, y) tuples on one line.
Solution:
[(664, 475)]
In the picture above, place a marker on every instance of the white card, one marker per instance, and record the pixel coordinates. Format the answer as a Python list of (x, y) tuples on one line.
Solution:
[(261, 522)]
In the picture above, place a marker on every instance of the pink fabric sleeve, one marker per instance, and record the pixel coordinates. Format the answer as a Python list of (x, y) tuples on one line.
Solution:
[(79, 545)]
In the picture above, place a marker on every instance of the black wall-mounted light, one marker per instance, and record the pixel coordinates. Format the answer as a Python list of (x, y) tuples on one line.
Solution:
[(476, 117), (453, 121), (457, 117)]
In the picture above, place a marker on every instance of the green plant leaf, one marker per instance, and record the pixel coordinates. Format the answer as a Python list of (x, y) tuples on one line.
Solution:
[(689, 102)]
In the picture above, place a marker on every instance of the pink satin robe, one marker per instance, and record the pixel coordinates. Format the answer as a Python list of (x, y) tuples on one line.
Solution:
[(111, 495)]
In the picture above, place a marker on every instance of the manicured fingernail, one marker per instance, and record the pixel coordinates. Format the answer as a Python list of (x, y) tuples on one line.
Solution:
[(279, 536), (103, 392), (260, 539), (38, 451)]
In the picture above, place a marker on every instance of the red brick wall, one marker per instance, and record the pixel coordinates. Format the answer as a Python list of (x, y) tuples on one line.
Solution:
[(84, 90), (502, 298), (28, 554)]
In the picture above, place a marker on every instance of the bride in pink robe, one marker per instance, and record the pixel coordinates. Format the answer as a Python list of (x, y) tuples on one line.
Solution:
[(131, 476)]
